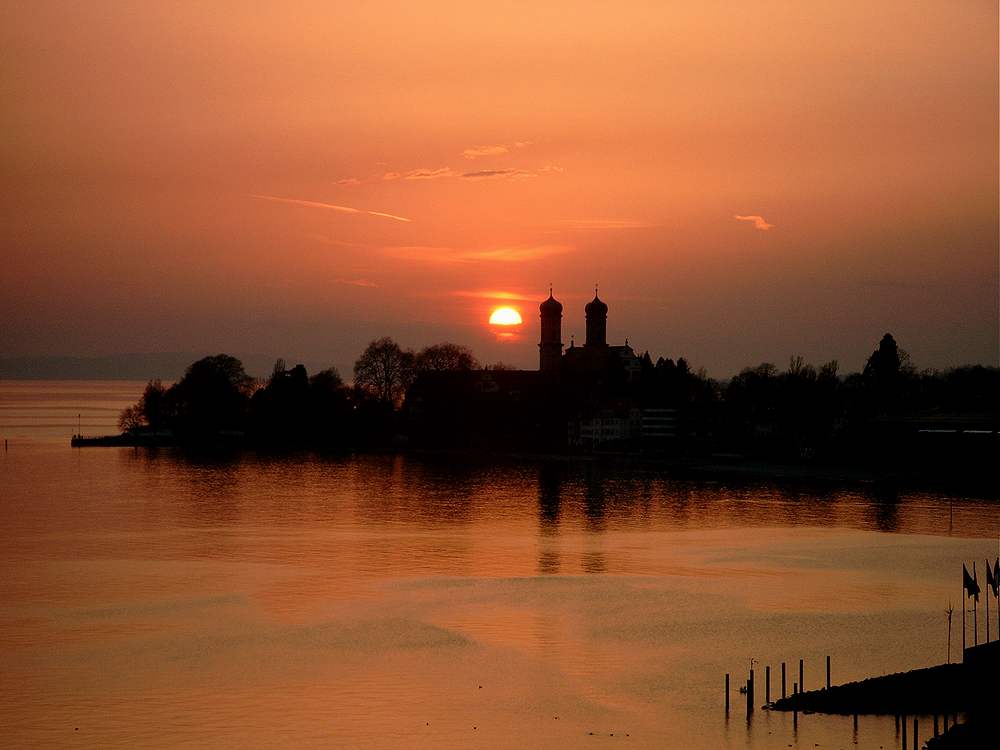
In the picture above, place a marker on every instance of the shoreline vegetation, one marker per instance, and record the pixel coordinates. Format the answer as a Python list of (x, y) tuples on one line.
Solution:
[(889, 422)]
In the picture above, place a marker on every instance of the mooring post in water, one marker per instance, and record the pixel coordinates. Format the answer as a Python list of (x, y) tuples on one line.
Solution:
[(828, 672), (750, 693), (727, 692), (916, 734), (855, 723), (802, 682), (782, 679), (767, 684)]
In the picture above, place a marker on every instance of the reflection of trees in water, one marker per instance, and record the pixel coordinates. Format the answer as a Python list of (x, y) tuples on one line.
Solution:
[(549, 561), (549, 496), (398, 488), (550, 478), (594, 562), (594, 499), (885, 506)]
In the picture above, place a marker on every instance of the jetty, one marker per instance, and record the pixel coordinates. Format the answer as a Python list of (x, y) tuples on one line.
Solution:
[(946, 690)]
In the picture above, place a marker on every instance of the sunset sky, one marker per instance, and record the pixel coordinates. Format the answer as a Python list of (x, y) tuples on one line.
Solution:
[(745, 181)]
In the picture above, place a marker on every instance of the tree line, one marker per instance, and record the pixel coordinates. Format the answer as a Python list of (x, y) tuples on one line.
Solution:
[(216, 399), (800, 411)]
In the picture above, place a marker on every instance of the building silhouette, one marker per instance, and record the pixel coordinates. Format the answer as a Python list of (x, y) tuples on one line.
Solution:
[(580, 396)]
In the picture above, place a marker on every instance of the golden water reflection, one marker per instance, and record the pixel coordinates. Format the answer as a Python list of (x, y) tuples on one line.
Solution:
[(157, 599)]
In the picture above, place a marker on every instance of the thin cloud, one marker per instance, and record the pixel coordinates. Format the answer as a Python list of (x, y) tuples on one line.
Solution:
[(476, 152), (357, 282), (758, 221), (494, 294), (349, 181), (329, 207), (429, 174), (514, 254), (420, 174), (583, 225), (448, 255), (488, 174)]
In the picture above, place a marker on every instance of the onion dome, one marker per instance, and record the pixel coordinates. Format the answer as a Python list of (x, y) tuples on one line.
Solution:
[(596, 306), (551, 306)]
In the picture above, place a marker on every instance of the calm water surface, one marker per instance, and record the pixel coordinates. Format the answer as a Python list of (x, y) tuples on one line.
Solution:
[(156, 599)]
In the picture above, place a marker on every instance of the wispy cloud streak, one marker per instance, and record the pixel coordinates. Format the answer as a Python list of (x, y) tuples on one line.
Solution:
[(475, 152), (758, 221), (495, 294), (329, 207), (602, 224), (448, 255)]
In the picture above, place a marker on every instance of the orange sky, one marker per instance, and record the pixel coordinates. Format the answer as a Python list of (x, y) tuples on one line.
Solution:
[(298, 179)]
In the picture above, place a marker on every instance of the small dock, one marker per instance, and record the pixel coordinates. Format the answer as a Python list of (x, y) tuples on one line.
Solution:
[(944, 691)]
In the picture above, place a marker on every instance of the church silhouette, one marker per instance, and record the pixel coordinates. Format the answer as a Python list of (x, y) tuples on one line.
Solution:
[(580, 396)]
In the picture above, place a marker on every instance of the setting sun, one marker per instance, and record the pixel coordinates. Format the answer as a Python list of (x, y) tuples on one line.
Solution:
[(505, 316)]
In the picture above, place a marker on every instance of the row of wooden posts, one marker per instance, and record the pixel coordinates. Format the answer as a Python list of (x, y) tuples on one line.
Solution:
[(901, 728), (797, 687)]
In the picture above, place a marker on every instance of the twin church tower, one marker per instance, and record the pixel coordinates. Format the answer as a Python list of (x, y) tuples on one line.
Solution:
[(550, 348)]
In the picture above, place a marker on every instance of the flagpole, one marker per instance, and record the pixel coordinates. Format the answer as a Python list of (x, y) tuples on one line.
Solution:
[(987, 616), (950, 610), (963, 615), (975, 609)]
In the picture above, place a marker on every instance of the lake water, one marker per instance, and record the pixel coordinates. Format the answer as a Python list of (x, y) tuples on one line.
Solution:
[(154, 599)]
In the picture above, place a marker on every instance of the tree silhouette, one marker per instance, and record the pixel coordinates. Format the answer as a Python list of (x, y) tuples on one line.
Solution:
[(153, 406), (884, 363), (212, 396), (130, 419), (385, 371), (445, 357)]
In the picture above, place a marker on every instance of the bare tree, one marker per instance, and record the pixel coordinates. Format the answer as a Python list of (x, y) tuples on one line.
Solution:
[(385, 370), (446, 356), (130, 419)]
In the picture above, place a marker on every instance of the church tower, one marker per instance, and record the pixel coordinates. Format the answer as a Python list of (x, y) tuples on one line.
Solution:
[(597, 322), (550, 347)]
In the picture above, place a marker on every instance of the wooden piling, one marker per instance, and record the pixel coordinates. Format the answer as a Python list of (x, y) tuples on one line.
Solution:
[(750, 687), (727, 692), (782, 679), (767, 684), (828, 672), (802, 682)]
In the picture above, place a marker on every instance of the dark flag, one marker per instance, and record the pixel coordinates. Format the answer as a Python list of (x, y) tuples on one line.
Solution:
[(970, 583), (991, 579)]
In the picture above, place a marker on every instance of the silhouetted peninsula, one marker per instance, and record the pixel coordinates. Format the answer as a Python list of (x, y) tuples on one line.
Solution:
[(594, 399)]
